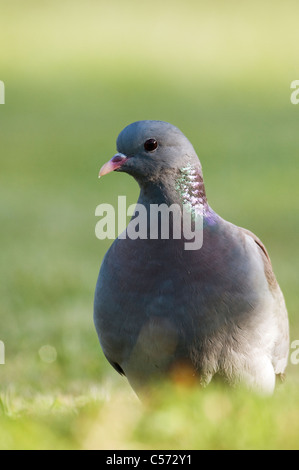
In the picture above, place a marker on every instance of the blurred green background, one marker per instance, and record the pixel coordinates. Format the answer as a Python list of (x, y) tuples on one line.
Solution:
[(75, 74)]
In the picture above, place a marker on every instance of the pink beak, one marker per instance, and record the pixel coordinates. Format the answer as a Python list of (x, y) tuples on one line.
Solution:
[(116, 162)]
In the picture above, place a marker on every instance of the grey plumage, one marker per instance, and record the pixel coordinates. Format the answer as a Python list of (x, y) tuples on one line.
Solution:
[(158, 307)]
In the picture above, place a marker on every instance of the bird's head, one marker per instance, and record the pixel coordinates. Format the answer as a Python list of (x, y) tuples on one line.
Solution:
[(150, 151)]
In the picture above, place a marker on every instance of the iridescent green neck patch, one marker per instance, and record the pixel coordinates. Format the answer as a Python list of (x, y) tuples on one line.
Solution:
[(190, 187)]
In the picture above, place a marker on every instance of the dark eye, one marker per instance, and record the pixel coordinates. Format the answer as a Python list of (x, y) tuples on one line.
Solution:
[(150, 145)]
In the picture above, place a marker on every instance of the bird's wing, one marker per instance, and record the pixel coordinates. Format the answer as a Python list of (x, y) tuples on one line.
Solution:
[(281, 349)]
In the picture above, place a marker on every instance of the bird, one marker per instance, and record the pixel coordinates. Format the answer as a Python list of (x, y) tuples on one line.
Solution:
[(163, 310)]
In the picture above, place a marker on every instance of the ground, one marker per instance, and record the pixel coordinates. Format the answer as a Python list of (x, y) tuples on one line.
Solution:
[(75, 74)]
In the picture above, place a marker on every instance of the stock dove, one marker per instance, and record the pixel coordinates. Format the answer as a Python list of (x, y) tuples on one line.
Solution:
[(161, 308)]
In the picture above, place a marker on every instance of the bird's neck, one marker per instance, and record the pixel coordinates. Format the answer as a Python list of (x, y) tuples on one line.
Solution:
[(190, 187), (184, 187)]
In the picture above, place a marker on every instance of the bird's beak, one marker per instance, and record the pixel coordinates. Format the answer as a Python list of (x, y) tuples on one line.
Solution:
[(116, 162)]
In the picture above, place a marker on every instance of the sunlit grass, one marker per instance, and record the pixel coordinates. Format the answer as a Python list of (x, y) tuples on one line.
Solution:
[(174, 417)]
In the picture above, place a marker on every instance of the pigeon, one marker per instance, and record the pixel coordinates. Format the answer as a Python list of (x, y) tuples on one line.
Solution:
[(164, 310)]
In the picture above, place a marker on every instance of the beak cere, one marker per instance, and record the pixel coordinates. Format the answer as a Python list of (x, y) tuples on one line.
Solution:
[(116, 162)]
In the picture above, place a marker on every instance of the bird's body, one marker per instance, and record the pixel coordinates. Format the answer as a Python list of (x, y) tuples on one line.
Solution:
[(160, 307)]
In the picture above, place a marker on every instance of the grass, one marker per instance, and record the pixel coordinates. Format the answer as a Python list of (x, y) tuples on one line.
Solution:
[(75, 74), (110, 418)]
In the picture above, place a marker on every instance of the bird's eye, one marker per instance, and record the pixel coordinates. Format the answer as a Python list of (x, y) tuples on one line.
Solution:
[(150, 145)]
